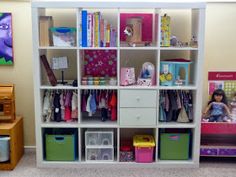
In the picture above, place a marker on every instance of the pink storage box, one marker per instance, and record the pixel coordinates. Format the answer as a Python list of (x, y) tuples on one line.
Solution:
[(127, 76), (144, 145), (144, 154)]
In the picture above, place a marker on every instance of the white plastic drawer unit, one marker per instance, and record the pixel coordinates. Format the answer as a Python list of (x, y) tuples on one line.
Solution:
[(99, 138), (138, 98), (137, 116), (99, 154)]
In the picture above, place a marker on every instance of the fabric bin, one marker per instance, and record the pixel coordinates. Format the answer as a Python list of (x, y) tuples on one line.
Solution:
[(60, 147), (144, 148), (4, 149), (174, 146)]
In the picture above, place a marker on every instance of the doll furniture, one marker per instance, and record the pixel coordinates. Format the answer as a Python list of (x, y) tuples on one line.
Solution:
[(137, 105), (14, 131), (218, 139), (170, 72), (7, 103)]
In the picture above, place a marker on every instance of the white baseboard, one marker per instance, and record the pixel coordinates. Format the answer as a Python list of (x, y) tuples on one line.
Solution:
[(30, 147)]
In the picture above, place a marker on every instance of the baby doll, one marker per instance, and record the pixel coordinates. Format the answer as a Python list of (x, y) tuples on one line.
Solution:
[(217, 107)]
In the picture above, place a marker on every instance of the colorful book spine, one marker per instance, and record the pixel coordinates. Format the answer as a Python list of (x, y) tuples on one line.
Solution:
[(102, 33), (96, 30), (92, 31), (84, 28), (89, 30), (113, 37), (80, 31), (99, 26), (108, 35), (105, 32)]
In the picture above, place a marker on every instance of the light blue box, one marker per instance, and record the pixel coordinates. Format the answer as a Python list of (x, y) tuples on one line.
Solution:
[(174, 68)]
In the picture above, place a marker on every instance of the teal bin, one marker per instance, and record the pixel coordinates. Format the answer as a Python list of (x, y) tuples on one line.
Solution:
[(60, 147), (174, 146)]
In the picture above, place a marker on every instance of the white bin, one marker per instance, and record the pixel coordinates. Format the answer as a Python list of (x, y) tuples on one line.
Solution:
[(4, 149)]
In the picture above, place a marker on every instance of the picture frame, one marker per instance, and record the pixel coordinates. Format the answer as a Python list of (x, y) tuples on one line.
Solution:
[(6, 39)]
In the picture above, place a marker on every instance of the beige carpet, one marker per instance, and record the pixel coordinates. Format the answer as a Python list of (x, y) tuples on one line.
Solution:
[(27, 168)]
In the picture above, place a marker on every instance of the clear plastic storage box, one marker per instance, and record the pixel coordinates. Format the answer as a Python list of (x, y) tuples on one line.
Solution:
[(99, 137), (99, 154)]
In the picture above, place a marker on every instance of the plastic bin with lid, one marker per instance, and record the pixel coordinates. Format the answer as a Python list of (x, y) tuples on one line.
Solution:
[(144, 148)]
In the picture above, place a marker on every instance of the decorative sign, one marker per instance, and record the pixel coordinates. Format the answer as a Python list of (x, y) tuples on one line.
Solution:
[(222, 80), (59, 63)]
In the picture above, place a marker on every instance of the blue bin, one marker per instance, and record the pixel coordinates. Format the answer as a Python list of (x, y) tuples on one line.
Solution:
[(170, 72)]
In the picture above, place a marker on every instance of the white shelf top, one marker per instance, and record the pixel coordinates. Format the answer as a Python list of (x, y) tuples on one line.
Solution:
[(98, 87), (98, 124), (191, 87), (56, 48), (116, 3), (98, 48), (178, 48), (175, 125), (99, 147), (175, 162), (137, 87), (58, 87), (138, 48), (137, 126), (60, 125)]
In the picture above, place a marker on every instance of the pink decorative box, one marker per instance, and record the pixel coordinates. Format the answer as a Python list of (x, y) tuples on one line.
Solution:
[(127, 76)]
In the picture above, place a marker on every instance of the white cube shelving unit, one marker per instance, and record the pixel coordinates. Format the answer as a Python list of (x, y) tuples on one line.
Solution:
[(138, 107)]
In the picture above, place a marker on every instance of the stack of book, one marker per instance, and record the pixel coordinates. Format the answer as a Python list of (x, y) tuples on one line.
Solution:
[(96, 31)]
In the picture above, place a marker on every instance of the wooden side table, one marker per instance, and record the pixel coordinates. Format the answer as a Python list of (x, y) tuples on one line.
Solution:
[(15, 132)]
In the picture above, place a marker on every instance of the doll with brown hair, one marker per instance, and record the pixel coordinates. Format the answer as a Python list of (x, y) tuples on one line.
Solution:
[(217, 109)]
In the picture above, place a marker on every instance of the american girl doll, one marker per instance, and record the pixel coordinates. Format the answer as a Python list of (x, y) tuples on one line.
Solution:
[(217, 108)]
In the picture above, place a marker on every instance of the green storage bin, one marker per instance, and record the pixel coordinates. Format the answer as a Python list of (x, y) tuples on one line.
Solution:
[(174, 146), (60, 147)]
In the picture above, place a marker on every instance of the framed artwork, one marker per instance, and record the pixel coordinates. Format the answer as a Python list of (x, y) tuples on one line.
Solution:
[(6, 41)]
